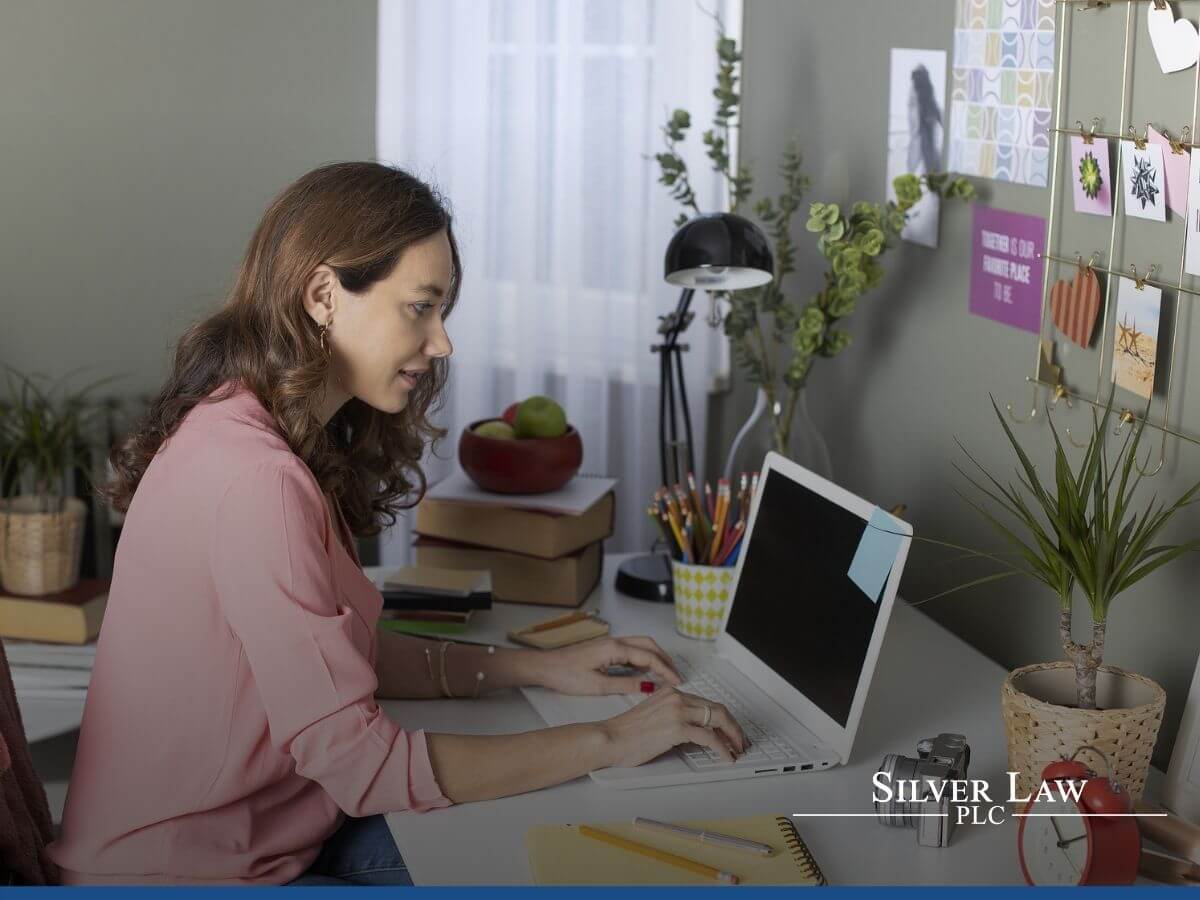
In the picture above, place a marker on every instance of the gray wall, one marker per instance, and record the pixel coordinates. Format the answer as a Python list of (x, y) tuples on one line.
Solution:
[(921, 367), (140, 143)]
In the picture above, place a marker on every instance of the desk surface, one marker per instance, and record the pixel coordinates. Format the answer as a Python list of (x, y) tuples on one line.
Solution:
[(927, 681)]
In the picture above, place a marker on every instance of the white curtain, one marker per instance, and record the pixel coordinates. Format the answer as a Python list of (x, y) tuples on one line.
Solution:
[(538, 121)]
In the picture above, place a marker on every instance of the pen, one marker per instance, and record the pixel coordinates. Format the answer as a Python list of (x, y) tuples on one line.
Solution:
[(681, 862), (706, 837)]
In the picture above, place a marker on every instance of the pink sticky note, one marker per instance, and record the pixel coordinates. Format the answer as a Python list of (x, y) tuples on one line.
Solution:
[(1178, 167)]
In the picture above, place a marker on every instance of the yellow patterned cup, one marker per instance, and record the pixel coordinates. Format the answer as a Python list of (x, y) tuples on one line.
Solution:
[(701, 595)]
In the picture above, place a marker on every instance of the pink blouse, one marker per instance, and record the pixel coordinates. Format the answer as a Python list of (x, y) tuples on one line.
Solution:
[(231, 718)]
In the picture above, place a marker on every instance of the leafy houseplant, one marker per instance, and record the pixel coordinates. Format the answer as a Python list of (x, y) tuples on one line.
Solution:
[(1081, 530), (42, 441), (852, 243)]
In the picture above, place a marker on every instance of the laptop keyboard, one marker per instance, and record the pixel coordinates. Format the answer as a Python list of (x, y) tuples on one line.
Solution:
[(766, 746)]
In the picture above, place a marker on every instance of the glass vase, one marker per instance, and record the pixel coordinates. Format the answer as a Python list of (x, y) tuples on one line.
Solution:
[(804, 444)]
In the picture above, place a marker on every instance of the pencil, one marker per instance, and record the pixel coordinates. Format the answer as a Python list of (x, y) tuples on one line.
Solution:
[(708, 499), (557, 623), (653, 513), (719, 521), (681, 862), (730, 542)]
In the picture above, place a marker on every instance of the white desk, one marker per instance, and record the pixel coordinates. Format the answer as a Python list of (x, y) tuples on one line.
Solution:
[(927, 681)]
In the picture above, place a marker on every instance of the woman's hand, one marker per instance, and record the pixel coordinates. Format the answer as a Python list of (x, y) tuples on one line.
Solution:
[(580, 668), (667, 718)]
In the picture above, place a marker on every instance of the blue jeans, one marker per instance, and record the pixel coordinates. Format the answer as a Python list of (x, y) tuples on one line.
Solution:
[(360, 852)]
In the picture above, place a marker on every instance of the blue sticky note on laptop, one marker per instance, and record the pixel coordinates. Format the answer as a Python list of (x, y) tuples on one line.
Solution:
[(876, 553)]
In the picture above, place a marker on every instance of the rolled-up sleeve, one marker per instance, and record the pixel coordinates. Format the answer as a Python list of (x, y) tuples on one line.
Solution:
[(275, 581)]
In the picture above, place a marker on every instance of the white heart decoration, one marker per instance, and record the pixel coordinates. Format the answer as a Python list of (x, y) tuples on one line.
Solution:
[(1176, 43)]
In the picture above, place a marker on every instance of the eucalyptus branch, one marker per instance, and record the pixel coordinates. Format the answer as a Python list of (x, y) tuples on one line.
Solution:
[(802, 330)]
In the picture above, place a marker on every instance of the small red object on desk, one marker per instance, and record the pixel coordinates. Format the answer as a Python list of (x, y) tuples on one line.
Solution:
[(647, 687)]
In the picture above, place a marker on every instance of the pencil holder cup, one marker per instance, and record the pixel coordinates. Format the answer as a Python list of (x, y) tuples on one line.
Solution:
[(701, 595)]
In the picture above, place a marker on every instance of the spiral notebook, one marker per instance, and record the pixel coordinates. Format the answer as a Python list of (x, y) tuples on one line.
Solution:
[(559, 854)]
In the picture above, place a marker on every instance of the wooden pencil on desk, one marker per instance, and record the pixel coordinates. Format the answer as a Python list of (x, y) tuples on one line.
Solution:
[(671, 859)]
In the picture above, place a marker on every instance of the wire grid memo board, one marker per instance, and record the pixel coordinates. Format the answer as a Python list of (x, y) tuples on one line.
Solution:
[(1126, 135)]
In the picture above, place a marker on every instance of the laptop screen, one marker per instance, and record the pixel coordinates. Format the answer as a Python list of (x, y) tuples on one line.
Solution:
[(796, 608)]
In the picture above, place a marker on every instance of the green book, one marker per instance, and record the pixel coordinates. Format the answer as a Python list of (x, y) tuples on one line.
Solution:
[(420, 626)]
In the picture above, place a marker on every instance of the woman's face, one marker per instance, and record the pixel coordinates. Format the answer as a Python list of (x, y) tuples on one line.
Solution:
[(383, 339)]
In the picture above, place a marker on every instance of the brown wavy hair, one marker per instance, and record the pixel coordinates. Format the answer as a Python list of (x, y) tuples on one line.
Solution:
[(357, 218)]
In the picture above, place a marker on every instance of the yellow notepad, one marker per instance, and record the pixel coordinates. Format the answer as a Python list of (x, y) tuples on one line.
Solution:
[(559, 854)]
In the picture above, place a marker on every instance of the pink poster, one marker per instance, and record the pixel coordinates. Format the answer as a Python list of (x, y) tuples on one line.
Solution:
[(1006, 267)]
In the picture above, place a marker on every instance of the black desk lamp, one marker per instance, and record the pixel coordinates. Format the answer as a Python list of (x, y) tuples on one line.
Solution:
[(713, 252)]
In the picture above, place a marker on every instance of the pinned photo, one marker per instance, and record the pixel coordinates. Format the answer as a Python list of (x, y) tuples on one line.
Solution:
[(1135, 349), (1093, 183), (1145, 186), (915, 131)]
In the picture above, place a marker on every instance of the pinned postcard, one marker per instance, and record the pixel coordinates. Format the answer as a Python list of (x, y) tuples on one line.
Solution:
[(876, 553), (1135, 349), (1142, 174), (1191, 259), (916, 123), (1175, 167), (1093, 183)]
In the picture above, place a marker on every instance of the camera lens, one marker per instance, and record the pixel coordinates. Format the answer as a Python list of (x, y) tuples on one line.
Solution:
[(897, 768)]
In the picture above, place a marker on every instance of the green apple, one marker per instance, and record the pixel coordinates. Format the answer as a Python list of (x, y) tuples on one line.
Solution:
[(540, 417), (494, 428)]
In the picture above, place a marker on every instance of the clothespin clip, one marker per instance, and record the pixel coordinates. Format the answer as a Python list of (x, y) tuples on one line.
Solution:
[(1089, 137), (1180, 146), (1140, 142), (1160, 4), (1060, 393), (1125, 418), (1140, 282)]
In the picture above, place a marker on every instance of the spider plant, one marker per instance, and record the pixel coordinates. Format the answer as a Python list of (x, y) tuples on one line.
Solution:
[(43, 432), (1082, 529)]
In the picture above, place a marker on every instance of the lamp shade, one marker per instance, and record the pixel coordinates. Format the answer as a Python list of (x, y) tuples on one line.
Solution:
[(719, 252)]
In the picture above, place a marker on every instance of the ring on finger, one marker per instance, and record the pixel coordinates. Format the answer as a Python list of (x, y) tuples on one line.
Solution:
[(707, 716)]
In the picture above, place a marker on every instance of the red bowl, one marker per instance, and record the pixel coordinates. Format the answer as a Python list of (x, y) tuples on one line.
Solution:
[(520, 465)]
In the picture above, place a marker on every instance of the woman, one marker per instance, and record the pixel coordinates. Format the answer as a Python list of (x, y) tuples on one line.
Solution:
[(231, 732)]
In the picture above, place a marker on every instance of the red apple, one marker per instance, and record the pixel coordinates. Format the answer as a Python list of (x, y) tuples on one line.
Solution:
[(510, 415)]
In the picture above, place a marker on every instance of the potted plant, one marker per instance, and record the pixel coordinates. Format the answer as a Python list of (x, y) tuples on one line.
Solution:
[(777, 338), (1082, 531), (42, 444)]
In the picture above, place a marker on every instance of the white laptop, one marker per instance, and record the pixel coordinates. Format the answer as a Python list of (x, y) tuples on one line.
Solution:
[(799, 641)]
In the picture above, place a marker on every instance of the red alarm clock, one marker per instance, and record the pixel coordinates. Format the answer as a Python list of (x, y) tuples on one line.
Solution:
[(1092, 841)]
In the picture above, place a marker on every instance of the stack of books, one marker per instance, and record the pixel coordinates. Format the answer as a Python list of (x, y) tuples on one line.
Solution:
[(539, 548), (72, 616), (426, 599)]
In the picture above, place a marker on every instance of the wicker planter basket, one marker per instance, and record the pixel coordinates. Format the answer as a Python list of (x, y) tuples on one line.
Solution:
[(40, 552), (1042, 724)]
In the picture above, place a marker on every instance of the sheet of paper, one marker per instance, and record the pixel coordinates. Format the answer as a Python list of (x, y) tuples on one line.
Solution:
[(1143, 182), (876, 553), (1192, 257), (915, 129), (574, 499), (1176, 167), (1006, 267), (1002, 89), (1135, 350), (1093, 182)]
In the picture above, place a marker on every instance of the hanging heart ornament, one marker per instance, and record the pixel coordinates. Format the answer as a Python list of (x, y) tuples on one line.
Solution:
[(1075, 305), (1176, 42)]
